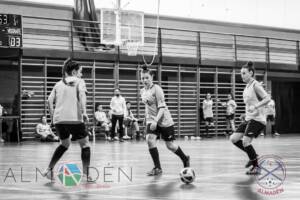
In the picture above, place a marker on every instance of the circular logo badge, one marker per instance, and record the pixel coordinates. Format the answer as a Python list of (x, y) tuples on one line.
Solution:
[(273, 172)]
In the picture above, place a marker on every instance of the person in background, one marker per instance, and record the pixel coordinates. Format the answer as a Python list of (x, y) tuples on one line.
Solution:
[(208, 112), (230, 113), (102, 120), (270, 113), (44, 131), (130, 120), (118, 107)]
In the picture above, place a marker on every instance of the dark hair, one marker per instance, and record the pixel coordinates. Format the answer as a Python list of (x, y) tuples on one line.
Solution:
[(69, 66), (41, 118), (250, 66), (97, 105), (128, 102), (145, 69)]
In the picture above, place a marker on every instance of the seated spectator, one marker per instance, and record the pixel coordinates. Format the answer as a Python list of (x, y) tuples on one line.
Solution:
[(44, 132), (102, 120), (129, 121)]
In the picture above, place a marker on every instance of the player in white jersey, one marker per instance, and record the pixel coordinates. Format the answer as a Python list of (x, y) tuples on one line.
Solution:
[(159, 122), (255, 98), (271, 114), (69, 114), (230, 113), (208, 115)]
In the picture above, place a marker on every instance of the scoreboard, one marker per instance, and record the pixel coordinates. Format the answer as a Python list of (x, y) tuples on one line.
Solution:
[(10, 31)]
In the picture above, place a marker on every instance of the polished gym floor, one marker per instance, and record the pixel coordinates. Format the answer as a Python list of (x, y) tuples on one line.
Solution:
[(119, 171)]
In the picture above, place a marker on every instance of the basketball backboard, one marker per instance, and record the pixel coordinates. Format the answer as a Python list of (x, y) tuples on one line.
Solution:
[(119, 26)]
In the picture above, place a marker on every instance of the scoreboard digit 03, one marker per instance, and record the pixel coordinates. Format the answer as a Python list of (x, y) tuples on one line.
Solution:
[(10, 31)]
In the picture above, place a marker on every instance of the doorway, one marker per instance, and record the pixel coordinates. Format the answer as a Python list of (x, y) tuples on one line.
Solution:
[(286, 95)]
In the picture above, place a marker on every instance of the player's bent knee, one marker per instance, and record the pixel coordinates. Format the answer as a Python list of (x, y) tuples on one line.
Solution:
[(66, 143), (151, 140), (246, 141), (84, 142), (234, 137)]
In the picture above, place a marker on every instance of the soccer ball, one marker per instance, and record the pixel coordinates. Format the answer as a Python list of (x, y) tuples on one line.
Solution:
[(187, 175)]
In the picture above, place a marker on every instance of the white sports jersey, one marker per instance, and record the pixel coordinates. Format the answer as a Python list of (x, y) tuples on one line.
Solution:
[(230, 107), (270, 108), (251, 98), (154, 99), (207, 108), (67, 106)]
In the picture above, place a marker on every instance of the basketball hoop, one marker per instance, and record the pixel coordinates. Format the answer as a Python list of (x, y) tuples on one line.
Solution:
[(132, 47)]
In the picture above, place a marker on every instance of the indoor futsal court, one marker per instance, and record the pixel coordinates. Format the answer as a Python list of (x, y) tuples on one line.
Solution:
[(149, 99), (217, 176)]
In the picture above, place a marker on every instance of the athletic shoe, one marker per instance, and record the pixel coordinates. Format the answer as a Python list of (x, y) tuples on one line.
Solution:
[(276, 134), (1, 140), (126, 137), (86, 179), (250, 163), (154, 172), (116, 138), (121, 140), (262, 134), (255, 170), (187, 162), (48, 173)]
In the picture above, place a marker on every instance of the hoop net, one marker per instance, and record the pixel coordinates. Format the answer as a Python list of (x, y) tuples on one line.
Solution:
[(132, 48)]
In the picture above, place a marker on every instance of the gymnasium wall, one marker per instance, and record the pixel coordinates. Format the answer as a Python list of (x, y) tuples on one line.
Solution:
[(49, 27), (197, 57)]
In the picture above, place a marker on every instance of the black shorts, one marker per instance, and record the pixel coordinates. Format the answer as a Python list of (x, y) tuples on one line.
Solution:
[(250, 128), (166, 133), (208, 119), (77, 131), (230, 117), (270, 118)]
